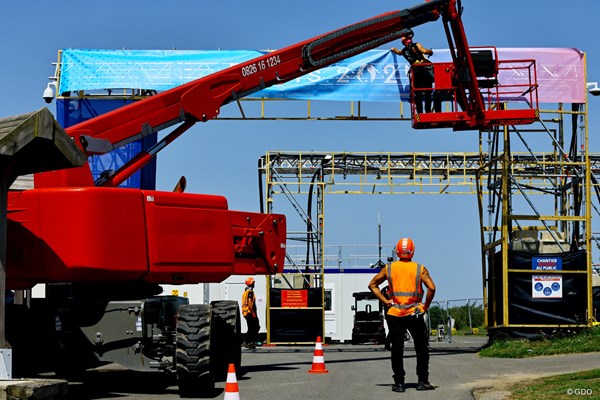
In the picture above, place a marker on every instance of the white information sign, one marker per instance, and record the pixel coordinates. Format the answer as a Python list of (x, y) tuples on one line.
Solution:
[(546, 286)]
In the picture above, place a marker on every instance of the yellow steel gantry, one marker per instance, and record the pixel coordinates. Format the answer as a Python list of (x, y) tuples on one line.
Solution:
[(560, 218)]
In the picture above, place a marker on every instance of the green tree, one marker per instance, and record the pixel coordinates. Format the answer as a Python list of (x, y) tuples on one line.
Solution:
[(461, 316), (437, 316)]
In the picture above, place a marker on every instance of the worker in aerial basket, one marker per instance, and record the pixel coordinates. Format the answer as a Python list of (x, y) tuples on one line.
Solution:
[(249, 313), (415, 53), (406, 279)]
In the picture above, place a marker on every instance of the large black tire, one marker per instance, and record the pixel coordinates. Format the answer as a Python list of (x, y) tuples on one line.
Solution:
[(227, 342), (194, 373)]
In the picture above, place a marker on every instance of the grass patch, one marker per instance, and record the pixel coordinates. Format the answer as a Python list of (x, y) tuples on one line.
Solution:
[(585, 341), (577, 385)]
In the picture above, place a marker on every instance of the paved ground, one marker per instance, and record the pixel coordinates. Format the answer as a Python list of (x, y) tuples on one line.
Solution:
[(355, 372), (361, 372)]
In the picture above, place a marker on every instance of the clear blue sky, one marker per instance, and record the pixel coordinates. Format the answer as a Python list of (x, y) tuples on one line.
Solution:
[(220, 157)]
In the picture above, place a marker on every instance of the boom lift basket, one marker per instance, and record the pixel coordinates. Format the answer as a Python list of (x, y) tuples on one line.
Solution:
[(507, 88)]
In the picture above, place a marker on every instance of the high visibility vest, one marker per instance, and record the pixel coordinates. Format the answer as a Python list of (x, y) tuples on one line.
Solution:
[(404, 279), (248, 306)]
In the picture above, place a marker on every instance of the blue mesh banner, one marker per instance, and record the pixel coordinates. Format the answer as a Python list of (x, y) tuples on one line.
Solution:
[(376, 75)]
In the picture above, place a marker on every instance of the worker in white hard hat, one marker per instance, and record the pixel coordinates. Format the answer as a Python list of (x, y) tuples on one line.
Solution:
[(406, 279), (249, 313)]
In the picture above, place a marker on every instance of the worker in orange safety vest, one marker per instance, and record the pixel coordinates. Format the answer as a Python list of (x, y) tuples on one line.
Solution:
[(406, 279), (249, 313)]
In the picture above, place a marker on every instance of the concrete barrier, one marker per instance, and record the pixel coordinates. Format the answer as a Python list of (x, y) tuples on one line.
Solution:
[(34, 389)]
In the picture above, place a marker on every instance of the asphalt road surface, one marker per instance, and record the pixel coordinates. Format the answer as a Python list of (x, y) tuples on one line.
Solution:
[(355, 372)]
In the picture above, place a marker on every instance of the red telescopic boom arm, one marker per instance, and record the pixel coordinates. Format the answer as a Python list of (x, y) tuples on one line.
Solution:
[(201, 99)]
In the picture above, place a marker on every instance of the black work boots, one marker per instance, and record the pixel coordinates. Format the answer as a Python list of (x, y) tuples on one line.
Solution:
[(425, 386)]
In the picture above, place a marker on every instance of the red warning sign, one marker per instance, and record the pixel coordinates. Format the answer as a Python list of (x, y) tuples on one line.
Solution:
[(294, 298)]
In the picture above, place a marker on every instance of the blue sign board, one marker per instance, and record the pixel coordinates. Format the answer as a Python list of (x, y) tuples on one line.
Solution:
[(546, 263)]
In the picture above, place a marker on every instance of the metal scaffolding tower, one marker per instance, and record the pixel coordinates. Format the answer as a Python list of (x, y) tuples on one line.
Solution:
[(534, 189)]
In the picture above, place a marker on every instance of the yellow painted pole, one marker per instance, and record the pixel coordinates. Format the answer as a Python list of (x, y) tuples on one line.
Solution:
[(505, 219)]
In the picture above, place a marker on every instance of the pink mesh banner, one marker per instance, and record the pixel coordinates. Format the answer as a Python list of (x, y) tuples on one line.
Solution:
[(560, 72)]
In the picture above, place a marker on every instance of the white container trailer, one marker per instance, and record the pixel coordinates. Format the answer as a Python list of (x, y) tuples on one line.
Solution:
[(339, 286)]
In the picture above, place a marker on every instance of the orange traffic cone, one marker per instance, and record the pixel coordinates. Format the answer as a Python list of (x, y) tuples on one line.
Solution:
[(231, 386), (318, 365)]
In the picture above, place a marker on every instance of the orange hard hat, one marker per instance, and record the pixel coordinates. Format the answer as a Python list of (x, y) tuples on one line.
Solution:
[(249, 281), (405, 248)]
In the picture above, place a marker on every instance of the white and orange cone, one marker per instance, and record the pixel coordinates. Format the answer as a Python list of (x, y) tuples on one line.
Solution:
[(231, 387), (318, 365)]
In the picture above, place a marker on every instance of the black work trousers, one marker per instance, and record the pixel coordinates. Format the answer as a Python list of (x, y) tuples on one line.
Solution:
[(417, 328), (253, 328), (423, 80)]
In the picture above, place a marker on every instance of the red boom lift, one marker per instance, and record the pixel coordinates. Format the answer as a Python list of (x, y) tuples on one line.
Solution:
[(105, 247), (472, 85)]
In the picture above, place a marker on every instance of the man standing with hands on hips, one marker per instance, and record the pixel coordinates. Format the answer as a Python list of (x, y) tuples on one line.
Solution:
[(406, 280)]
